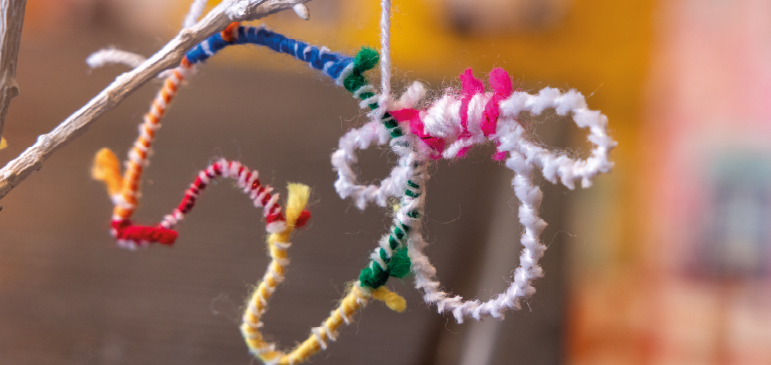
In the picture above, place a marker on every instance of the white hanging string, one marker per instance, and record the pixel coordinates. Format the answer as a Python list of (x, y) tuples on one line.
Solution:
[(385, 54)]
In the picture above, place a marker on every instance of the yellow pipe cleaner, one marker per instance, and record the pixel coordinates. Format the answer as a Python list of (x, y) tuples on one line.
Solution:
[(356, 296)]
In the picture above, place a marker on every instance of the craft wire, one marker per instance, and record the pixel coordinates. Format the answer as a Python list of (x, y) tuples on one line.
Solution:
[(331, 64), (357, 296), (458, 122)]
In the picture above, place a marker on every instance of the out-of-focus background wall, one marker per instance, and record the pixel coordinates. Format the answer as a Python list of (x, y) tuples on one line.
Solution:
[(664, 261)]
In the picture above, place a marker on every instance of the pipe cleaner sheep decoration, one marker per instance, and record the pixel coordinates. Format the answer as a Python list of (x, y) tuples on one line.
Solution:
[(447, 128)]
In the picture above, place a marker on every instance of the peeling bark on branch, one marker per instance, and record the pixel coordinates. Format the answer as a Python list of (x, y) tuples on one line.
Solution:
[(11, 22), (31, 160)]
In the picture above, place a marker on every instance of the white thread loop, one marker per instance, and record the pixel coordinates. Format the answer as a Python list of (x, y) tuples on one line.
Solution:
[(107, 56)]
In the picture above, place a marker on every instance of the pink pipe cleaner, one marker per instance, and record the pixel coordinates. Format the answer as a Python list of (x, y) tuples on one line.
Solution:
[(502, 88), (471, 87), (501, 84), (417, 128)]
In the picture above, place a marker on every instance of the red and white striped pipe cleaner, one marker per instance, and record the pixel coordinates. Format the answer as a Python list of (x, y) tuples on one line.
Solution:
[(132, 236)]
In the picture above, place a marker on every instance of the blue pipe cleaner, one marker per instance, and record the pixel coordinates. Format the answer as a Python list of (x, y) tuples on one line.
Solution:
[(331, 64)]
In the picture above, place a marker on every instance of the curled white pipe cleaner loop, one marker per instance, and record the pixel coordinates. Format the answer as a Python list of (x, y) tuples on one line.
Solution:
[(343, 159), (558, 167), (376, 131)]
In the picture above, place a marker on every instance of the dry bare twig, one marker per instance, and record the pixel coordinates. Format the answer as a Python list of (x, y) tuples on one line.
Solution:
[(11, 22), (31, 160)]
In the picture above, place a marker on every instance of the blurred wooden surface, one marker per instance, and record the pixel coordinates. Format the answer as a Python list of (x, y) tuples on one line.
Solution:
[(68, 295)]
